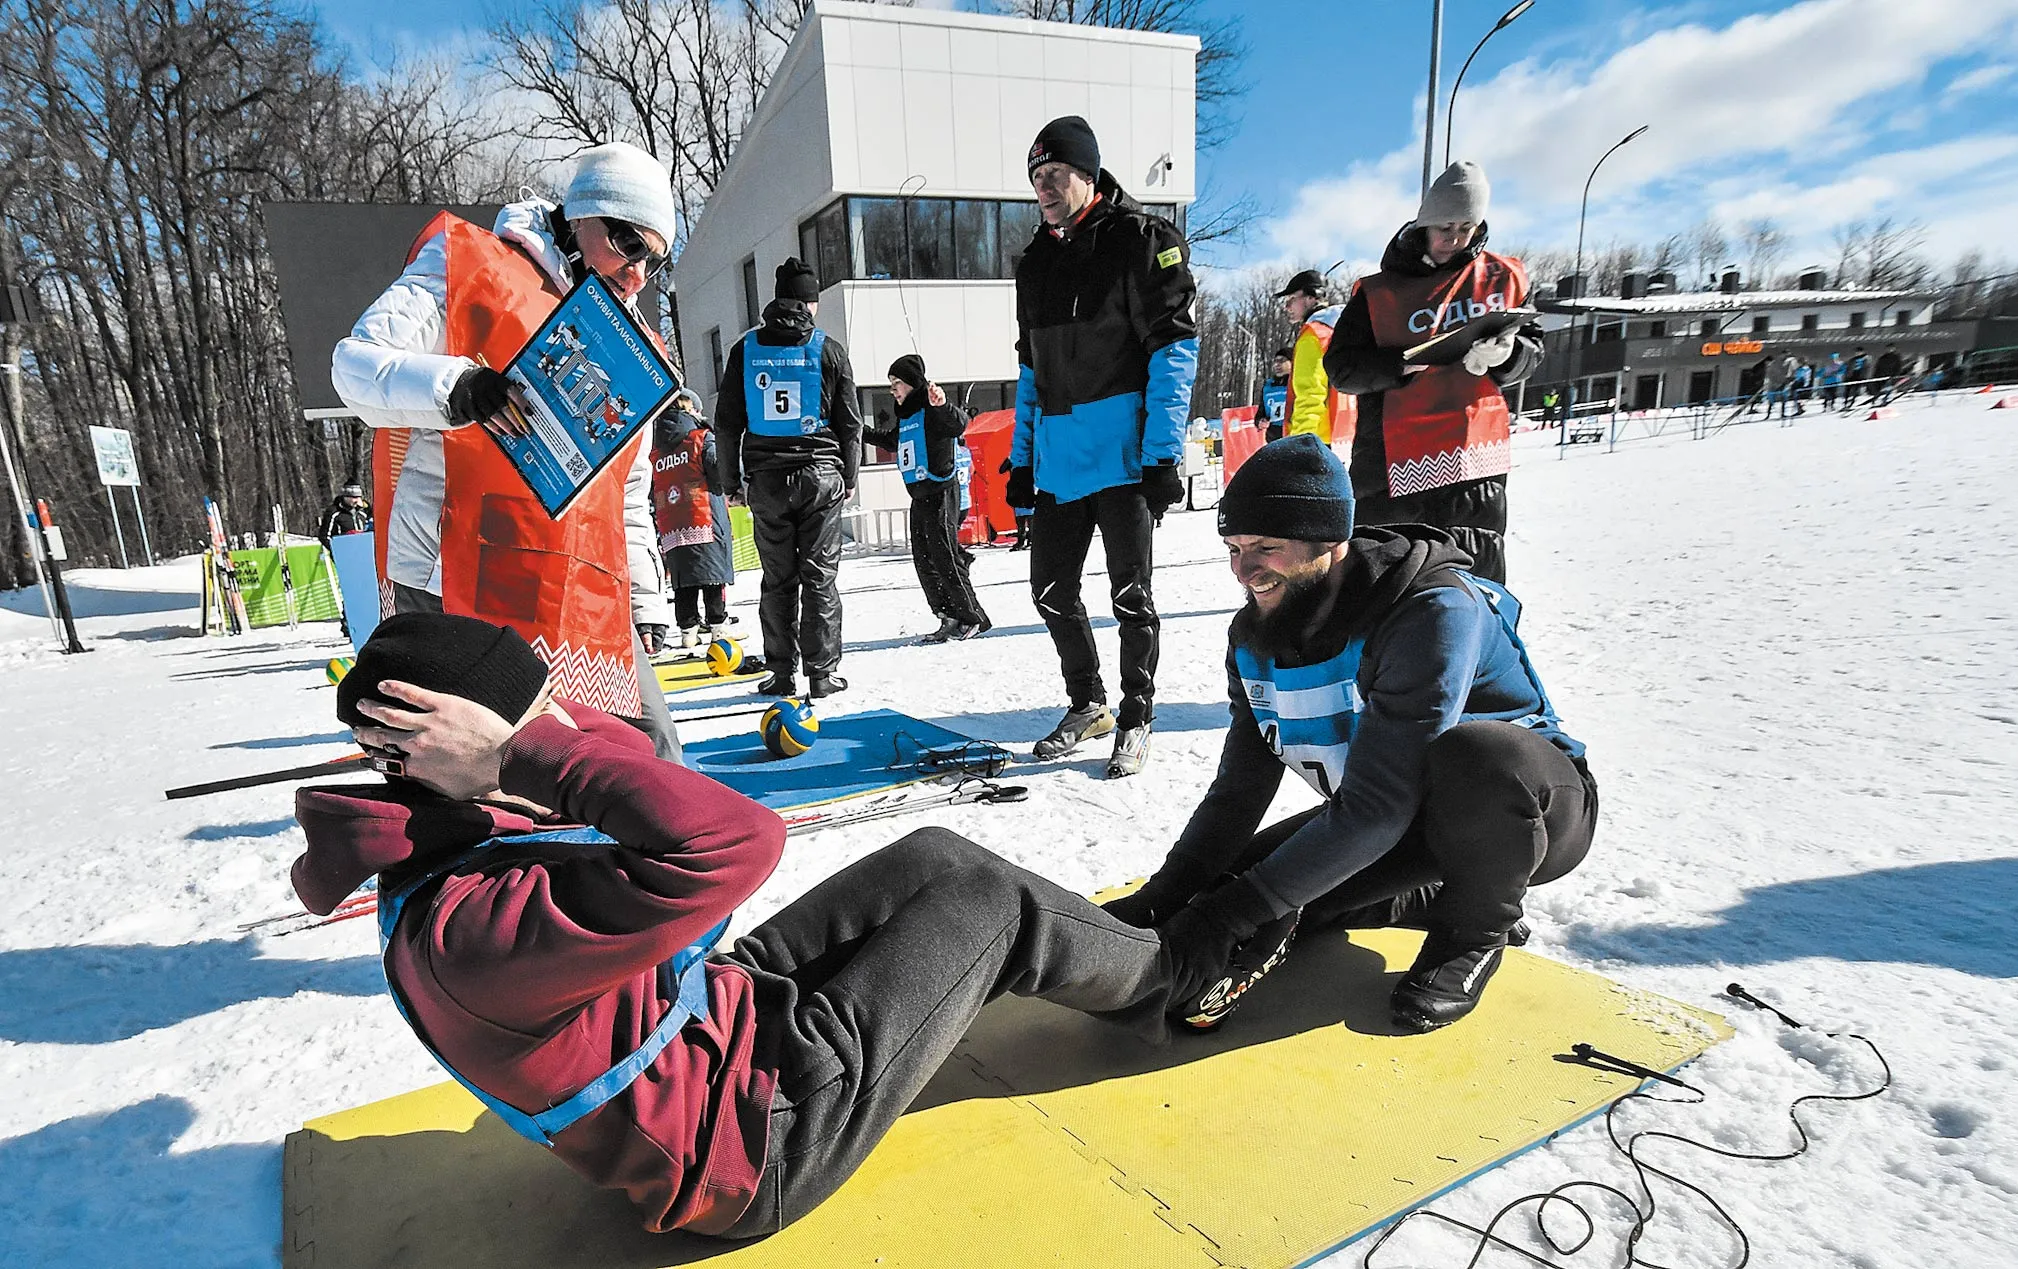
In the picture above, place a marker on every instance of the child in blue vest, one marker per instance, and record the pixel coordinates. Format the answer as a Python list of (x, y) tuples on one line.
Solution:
[(926, 435)]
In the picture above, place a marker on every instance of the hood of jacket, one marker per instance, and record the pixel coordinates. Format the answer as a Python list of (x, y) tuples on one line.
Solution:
[(356, 831), (1408, 250), (530, 226), (786, 322)]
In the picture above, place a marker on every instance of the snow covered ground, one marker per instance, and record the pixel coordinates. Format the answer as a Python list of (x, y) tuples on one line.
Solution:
[(1793, 653)]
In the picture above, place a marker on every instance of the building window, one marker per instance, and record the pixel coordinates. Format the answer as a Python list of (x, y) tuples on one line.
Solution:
[(1857, 321), (1657, 330), (715, 358), (976, 245), (1760, 325), (929, 221), (1710, 326), (753, 307), (809, 247), (1811, 321), (1019, 225), (831, 228), (1904, 317), (876, 234)]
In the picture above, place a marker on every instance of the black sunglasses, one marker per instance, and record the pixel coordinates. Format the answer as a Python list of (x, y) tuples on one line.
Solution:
[(628, 241)]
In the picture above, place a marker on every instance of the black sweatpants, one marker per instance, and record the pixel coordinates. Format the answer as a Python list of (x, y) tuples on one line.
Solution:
[(1473, 512), (689, 602), (1503, 809), (797, 518), (866, 982), (935, 550), (1060, 535)]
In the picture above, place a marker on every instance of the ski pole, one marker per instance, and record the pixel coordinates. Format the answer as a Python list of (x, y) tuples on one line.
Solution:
[(269, 777)]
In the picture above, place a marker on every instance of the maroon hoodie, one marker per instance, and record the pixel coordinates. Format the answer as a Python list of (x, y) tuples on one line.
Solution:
[(533, 969)]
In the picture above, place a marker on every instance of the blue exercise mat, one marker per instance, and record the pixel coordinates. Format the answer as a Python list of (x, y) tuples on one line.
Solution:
[(856, 754), (357, 577)]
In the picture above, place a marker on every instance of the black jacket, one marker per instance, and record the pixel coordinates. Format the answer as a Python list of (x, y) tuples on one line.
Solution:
[(838, 445), (1356, 364), (944, 426)]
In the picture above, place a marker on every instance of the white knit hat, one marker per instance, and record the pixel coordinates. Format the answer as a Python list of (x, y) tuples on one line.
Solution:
[(624, 182)]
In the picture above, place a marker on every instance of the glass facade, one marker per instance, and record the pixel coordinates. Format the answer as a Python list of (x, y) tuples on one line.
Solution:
[(925, 239)]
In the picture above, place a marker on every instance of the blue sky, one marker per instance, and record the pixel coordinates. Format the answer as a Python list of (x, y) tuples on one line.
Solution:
[(1810, 112)]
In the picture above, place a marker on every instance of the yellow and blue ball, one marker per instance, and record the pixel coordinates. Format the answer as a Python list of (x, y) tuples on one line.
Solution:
[(338, 667), (725, 656), (789, 728)]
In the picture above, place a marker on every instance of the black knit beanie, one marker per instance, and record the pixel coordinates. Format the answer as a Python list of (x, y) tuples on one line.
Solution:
[(459, 656), (1294, 488), (909, 368), (1070, 140), (796, 281)]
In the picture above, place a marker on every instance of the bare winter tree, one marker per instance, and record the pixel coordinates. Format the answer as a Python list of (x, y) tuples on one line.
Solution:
[(1709, 248), (1765, 243)]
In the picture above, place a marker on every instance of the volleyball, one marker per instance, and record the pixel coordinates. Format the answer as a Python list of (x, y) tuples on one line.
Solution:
[(725, 656), (338, 667), (789, 728)]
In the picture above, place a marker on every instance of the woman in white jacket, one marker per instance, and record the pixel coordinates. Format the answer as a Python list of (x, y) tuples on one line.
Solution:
[(396, 371)]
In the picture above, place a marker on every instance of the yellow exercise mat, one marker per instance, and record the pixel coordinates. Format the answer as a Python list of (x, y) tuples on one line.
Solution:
[(1052, 1139), (692, 672)]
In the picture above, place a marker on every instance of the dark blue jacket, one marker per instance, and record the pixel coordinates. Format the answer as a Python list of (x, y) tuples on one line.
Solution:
[(1434, 654)]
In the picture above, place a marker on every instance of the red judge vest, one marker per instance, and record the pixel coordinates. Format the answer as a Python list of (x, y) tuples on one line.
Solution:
[(1445, 425), (680, 509), (563, 584)]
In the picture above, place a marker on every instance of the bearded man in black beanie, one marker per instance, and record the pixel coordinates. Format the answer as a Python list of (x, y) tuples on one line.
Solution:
[(1384, 673), (789, 436)]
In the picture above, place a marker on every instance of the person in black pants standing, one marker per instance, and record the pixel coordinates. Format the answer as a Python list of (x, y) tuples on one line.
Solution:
[(790, 439), (927, 440), (1108, 342)]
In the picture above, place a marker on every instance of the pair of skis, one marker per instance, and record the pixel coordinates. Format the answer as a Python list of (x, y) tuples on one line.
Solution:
[(855, 811), (224, 578)]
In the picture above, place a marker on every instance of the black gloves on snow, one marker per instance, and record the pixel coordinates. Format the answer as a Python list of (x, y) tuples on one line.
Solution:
[(1162, 489), (653, 635), (1022, 491), (478, 395), (1204, 934)]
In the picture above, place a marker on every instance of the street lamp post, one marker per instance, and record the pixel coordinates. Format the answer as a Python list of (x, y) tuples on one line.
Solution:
[(1577, 323), (1429, 102), (1450, 112)]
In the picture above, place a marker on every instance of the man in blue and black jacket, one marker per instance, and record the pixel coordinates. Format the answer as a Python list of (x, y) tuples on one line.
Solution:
[(1383, 672), (1109, 347)]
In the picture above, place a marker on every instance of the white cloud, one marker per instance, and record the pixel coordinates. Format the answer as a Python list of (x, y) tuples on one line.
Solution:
[(1770, 115)]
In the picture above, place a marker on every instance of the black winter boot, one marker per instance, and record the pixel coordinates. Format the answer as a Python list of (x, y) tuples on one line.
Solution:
[(1447, 979)]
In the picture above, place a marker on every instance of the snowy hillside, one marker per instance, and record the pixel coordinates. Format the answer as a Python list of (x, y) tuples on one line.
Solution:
[(1793, 654)]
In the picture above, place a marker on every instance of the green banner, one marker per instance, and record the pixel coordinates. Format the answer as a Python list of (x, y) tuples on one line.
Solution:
[(742, 540), (265, 597)]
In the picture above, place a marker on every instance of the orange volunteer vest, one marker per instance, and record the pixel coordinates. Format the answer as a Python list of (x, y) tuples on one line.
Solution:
[(563, 584), (1445, 425)]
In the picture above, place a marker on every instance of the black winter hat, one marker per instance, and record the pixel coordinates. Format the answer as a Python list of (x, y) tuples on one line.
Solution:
[(909, 368), (797, 281), (1294, 488), (1070, 140), (459, 656), (1308, 282)]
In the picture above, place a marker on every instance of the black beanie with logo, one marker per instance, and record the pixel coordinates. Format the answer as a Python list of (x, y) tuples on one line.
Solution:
[(1294, 488), (457, 656), (1070, 140)]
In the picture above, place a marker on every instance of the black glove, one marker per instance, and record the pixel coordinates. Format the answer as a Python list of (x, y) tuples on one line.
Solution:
[(478, 395), (1022, 491), (1162, 489), (653, 635), (1172, 886), (1203, 936)]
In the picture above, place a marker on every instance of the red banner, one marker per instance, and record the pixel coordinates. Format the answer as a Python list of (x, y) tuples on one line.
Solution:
[(1238, 438)]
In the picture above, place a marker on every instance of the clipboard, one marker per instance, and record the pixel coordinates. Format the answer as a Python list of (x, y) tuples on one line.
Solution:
[(587, 381), (1451, 346)]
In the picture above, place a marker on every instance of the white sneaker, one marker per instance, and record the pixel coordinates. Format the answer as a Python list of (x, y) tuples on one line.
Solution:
[(691, 637)]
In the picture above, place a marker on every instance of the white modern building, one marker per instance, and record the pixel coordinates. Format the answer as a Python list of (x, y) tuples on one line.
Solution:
[(888, 153)]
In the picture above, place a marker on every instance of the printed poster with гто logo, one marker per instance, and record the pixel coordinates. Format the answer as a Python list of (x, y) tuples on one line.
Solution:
[(586, 382)]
